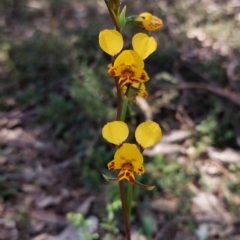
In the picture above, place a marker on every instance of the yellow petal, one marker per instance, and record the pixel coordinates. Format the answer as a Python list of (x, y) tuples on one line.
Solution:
[(144, 17), (115, 132), (141, 89), (115, 164), (139, 169), (129, 152), (148, 133), (129, 57), (144, 76), (143, 44), (111, 41), (115, 71)]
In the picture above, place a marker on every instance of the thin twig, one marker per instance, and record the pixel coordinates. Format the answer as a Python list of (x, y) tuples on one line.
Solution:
[(231, 96)]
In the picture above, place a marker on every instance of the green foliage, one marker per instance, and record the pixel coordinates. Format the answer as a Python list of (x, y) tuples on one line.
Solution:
[(213, 132), (89, 93), (170, 177), (22, 218), (96, 158), (109, 224), (40, 59), (7, 190), (58, 108), (59, 112), (170, 174), (79, 221), (147, 225)]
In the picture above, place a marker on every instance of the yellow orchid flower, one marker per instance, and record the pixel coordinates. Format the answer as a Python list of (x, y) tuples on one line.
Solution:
[(149, 21), (128, 160), (139, 90), (129, 67)]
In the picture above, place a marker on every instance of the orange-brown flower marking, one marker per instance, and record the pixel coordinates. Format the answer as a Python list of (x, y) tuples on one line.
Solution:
[(131, 75), (129, 160), (126, 172), (129, 66)]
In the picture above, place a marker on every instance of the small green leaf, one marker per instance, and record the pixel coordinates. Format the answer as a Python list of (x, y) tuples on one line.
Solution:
[(114, 5), (109, 179), (146, 187), (122, 18)]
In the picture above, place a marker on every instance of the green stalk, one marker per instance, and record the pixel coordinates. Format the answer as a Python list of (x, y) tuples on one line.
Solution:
[(122, 105), (124, 109), (130, 186), (125, 207)]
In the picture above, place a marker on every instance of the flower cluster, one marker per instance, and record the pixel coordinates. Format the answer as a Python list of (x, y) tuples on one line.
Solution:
[(128, 157), (128, 65), (127, 68)]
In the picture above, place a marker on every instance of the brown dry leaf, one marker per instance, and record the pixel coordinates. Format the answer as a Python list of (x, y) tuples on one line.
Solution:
[(37, 226), (164, 148), (227, 155), (85, 206), (165, 205), (47, 201), (207, 203), (3, 160), (47, 216), (175, 136), (209, 209), (30, 188), (145, 107), (181, 235), (42, 236), (137, 236), (7, 135), (70, 233)]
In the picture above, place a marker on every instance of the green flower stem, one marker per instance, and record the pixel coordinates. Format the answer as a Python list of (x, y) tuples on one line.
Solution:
[(112, 16), (125, 206), (124, 109), (130, 186), (119, 98), (121, 115)]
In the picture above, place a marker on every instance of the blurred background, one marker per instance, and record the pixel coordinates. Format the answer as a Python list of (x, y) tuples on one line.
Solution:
[(55, 96)]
